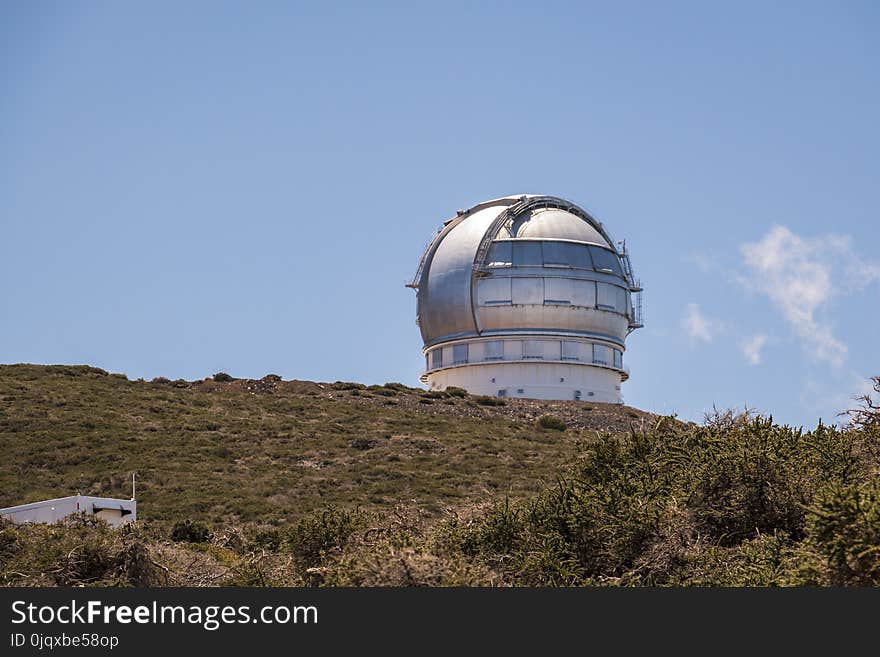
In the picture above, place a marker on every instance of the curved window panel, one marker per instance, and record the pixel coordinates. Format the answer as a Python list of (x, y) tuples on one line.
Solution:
[(494, 350), (571, 350), (494, 292), (556, 255), (499, 255), (533, 349), (527, 254), (566, 254), (557, 291), (459, 354), (437, 358), (611, 297), (528, 291), (618, 359), (602, 354), (605, 296), (583, 293), (606, 261)]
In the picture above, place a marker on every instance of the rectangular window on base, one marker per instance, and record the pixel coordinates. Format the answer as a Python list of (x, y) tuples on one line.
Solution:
[(601, 354), (571, 350), (494, 350), (533, 349)]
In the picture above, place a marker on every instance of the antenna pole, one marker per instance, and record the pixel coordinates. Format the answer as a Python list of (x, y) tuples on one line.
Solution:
[(133, 495)]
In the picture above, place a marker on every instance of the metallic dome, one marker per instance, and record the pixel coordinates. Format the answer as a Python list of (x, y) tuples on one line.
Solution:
[(532, 267)]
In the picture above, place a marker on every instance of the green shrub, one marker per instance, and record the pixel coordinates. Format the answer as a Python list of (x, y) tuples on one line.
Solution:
[(686, 504), (222, 377), (268, 539), (488, 400), (347, 385), (190, 531), (384, 391), (551, 422), (316, 535), (844, 527), (454, 391), (399, 387)]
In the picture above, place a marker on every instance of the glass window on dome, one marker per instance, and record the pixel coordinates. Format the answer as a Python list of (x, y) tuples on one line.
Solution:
[(557, 291), (459, 354), (571, 350), (566, 254), (605, 261), (494, 291), (527, 254), (618, 359), (437, 358), (611, 297), (499, 254)]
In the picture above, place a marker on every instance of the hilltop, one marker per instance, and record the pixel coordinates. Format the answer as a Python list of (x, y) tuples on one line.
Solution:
[(272, 450), (270, 482)]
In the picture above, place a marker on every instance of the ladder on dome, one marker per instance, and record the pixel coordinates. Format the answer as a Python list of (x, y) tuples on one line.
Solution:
[(637, 320)]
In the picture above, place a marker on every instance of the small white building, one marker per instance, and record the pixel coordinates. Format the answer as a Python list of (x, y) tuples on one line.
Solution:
[(114, 511)]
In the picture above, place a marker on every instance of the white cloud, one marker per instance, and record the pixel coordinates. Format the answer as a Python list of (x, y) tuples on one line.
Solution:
[(752, 347), (798, 275), (697, 325)]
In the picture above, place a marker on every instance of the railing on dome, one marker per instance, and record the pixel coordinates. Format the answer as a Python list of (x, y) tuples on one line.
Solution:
[(448, 225), (637, 320)]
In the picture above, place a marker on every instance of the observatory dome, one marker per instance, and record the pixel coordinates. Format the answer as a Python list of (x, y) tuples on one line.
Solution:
[(526, 296)]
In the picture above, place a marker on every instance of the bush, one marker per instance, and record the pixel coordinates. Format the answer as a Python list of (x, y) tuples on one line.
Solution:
[(222, 377), (272, 378), (316, 535), (347, 385), (399, 387), (190, 531), (384, 391), (363, 443), (488, 400), (454, 391), (551, 422), (722, 504), (844, 527)]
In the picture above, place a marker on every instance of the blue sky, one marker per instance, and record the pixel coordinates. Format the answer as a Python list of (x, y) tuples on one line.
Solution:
[(187, 188)]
